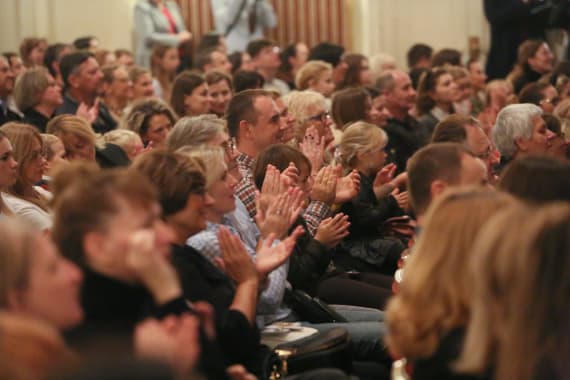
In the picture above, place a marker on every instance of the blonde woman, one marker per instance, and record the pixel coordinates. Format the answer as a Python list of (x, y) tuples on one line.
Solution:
[(77, 136), (428, 316), (127, 140), (361, 148), (520, 316), (23, 197), (8, 173)]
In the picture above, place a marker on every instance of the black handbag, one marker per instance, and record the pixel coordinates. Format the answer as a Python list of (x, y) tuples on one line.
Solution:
[(326, 349), (311, 309)]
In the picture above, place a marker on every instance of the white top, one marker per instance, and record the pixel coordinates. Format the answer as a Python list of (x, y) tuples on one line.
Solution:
[(30, 212)]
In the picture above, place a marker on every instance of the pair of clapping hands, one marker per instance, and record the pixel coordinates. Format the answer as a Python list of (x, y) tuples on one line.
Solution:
[(386, 184)]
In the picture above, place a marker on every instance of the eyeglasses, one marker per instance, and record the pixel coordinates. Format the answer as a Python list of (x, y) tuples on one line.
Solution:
[(320, 117), (554, 101)]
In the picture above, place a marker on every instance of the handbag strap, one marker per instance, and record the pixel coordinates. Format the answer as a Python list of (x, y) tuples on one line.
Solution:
[(236, 18)]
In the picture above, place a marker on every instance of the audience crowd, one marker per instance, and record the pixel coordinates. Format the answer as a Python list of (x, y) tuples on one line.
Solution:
[(162, 221)]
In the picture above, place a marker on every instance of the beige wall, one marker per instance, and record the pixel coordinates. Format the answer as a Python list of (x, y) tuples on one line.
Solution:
[(65, 20), (392, 26), (389, 26)]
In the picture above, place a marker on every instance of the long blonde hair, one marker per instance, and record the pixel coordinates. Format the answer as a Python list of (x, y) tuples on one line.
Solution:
[(359, 137), (521, 315), (22, 138), (435, 293)]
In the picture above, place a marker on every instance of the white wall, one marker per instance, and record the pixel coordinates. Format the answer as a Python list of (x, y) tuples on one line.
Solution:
[(392, 26), (65, 20), (389, 26)]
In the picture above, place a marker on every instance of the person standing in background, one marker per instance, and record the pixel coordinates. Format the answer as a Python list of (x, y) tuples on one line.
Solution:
[(242, 21), (158, 22)]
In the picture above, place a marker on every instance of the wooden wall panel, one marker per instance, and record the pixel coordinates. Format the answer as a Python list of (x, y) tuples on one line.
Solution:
[(311, 21)]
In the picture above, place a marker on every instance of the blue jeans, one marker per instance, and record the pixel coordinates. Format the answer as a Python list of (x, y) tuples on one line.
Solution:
[(365, 327)]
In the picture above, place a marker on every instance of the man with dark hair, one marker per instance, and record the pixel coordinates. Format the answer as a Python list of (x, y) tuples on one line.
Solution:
[(419, 56), (435, 167), (83, 81), (330, 53), (89, 43), (212, 59), (446, 57), (405, 134), (7, 109), (466, 130), (265, 59)]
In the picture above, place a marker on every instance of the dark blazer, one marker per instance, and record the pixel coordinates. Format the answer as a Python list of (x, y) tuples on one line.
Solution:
[(404, 138), (38, 120), (104, 122)]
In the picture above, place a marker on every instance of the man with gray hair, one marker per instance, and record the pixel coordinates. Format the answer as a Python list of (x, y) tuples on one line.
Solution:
[(519, 131)]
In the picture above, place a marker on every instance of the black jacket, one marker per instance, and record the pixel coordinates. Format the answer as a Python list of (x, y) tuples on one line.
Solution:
[(404, 138), (103, 123)]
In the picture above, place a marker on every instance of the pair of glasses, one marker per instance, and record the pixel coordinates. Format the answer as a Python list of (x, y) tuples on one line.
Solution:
[(554, 101), (320, 117)]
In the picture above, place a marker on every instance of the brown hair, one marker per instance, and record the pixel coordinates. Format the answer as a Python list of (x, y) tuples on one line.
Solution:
[(348, 106), (352, 75), (428, 83), (175, 175), (452, 129), (26, 47), (432, 162), (66, 126), (22, 137), (164, 78), (138, 119), (280, 156), (86, 197), (241, 107), (3, 208), (30, 86), (215, 76), (184, 84)]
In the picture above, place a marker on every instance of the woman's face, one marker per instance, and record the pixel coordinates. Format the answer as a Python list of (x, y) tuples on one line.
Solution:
[(53, 288), (542, 60), (445, 91), (198, 102), (222, 192), (52, 94), (379, 112), (365, 75), (170, 61), (79, 148), (142, 87), (158, 128), (8, 165), (35, 165), (549, 99), (320, 118), (324, 84), (220, 95), (37, 54), (58, 156)]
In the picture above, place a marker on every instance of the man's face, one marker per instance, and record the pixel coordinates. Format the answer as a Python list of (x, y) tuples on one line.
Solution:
[(540, 140), (268, 58), (88, 80), (220, 62), (403, 96), (473, 172), (267, 129), (478, 143), (6, 78)]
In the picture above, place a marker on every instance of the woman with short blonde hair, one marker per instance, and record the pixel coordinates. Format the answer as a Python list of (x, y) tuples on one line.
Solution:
[(309, 108)]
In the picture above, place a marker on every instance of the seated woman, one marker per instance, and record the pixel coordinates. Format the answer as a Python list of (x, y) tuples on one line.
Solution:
[(80, 142), (128, 140), (352, 105), (220, 91), (55, 156), (24, 198), (366, 248), (436, 93), (152, 119), (534, 59), (518, 265), (37, 95), (142, 84), (190, 94), (316, 76), (8, 173), (428, 317)]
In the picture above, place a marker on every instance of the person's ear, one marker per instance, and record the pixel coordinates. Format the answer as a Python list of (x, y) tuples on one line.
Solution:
[(436, 188), (245, 128), (73, 80), (94, 245), (521, 144)]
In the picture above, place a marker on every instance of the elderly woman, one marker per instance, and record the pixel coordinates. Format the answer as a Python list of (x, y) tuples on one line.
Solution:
[(37, 95), (519, 131), (152, 119), (23, 197)]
